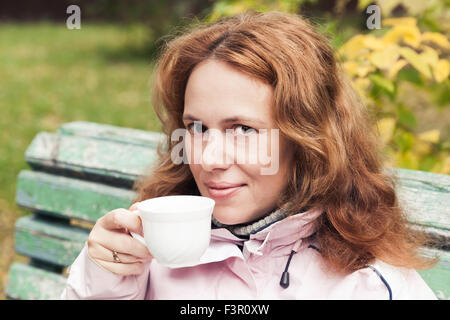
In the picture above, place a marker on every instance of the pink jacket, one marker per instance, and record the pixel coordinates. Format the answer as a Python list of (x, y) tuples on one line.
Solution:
[(227, 272)]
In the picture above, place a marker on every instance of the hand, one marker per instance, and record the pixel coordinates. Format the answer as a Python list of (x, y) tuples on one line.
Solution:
[(111, 232)]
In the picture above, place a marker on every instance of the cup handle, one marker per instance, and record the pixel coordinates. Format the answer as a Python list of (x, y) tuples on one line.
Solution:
[(135, 235)]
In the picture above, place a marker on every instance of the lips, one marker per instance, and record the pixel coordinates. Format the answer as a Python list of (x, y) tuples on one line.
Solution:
[(223, 190), (222, 185)]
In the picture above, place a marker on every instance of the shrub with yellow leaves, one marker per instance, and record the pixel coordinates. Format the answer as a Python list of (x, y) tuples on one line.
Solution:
[(373, 62), (392, 69)]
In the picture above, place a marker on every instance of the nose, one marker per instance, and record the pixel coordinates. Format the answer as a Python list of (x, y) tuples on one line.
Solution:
[(215, 154)]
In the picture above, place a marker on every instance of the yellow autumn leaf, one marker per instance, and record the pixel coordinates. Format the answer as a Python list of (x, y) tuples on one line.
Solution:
[(386, 128), (430, 56), (437, 38), (353, 47), (416, 61), (354, 69), (364, 56), (406, 21), (409, 34), (373, 43), (364, 69), (350, 67), (430, 136), (441, 70), (412, 37), (399, 64), (385, 59)]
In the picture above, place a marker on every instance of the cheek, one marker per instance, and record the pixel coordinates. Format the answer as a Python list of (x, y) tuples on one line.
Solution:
[(268, 149), (266, 186), (270, 183)]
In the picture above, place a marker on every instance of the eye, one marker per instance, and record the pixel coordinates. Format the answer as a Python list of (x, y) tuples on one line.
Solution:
[(196, 127), (245, 130)]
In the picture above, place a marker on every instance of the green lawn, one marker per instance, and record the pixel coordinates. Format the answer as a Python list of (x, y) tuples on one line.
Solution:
[(50, 75)]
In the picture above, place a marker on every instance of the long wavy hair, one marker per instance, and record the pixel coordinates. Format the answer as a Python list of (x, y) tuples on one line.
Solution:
[(338, 158)]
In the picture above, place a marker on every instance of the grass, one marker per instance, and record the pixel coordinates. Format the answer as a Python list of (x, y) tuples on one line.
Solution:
[(51, 75)]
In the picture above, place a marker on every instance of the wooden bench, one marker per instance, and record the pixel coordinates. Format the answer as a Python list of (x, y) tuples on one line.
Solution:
[(85, 170)]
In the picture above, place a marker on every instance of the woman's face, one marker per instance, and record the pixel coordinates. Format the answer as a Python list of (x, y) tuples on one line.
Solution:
[(230, 110)]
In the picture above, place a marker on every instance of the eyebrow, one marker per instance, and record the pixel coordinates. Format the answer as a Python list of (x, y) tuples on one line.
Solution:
[(229, 120)]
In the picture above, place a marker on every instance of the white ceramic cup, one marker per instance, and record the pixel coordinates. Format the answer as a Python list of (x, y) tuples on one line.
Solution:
[(177, 229)]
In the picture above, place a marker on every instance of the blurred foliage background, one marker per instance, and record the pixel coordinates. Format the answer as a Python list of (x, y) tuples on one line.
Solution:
[(50, 75), (401, 70)]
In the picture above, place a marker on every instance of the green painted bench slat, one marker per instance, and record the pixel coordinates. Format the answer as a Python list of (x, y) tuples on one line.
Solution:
[(427, 202), (49, 241), (69, 197), (438, 278), (424, 180), (26, 282), (88, 156), (112, 133)]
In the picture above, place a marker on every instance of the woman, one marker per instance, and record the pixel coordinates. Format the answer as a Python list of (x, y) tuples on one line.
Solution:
[(324, 224)]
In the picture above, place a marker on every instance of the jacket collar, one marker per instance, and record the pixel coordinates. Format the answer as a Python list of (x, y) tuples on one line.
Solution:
[(282, 236), (245, 230), (287, 232), (301, 225)]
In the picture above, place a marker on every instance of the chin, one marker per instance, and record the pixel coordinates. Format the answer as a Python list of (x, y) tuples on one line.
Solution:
[(227, 220), (229, 217)]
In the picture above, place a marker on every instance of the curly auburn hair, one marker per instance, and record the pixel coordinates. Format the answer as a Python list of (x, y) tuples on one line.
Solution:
[(338, 157)]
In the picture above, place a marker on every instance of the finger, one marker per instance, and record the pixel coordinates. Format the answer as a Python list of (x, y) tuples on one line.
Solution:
[(133, 206), (99, 252), (121, 242), (123, 269), (122, 219)]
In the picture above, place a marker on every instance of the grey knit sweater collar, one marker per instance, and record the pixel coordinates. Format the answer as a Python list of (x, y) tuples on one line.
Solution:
[(246, 229)]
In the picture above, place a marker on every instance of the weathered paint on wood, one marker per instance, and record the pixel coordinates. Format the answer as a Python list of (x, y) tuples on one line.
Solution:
[(26, 282), (425, 197), (438, 278), (424, 180), (50, 241), (69, 197), (112, 133), (86, 155)]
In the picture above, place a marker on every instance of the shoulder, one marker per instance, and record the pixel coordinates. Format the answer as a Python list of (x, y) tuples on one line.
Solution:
[(400, 283), (377, 280)]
